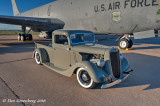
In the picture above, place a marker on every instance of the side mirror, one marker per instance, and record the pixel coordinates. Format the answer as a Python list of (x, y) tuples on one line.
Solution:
[(65, 43)]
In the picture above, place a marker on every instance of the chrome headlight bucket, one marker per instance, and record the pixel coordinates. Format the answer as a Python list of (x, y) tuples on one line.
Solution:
[(101, 63)]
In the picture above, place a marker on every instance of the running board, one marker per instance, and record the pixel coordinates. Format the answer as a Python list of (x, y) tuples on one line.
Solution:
[(52, 67)]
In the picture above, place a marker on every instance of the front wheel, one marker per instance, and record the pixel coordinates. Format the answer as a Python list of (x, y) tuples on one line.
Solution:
[(84, 79)]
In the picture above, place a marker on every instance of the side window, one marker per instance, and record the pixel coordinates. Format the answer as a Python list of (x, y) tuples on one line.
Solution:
[(61, 39)]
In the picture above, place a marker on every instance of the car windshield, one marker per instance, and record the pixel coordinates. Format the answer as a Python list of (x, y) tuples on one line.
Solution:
[(82, 38)]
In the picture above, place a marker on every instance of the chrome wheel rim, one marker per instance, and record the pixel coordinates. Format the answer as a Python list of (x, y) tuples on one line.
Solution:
[(37, 58), (84, 78)]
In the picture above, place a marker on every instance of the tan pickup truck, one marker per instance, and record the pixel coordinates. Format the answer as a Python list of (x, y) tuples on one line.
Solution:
[(76, 52)]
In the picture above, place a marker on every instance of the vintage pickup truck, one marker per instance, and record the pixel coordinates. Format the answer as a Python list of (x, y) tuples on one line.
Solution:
[(76, 52)]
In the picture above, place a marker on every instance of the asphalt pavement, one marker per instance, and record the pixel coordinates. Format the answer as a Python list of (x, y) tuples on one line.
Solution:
[(24, 83)]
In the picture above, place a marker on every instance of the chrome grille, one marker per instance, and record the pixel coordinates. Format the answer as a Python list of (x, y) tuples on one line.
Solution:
[(115, 63)]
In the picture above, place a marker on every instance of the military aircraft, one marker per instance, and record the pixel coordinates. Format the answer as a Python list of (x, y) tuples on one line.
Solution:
[(138, 18)]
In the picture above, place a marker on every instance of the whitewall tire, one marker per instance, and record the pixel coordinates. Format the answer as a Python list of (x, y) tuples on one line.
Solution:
[(84, 79), (37, 58)]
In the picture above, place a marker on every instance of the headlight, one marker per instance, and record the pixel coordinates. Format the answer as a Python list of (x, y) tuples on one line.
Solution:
[(101, 63)]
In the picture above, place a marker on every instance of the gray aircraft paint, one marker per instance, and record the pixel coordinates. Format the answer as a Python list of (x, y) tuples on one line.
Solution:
[(100, 16)]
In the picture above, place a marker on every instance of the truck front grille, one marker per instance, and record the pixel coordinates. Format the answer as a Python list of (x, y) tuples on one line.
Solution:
[(115, 63)]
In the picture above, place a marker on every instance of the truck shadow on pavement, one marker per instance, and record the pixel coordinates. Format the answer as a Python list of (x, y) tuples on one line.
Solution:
[(146, 72)]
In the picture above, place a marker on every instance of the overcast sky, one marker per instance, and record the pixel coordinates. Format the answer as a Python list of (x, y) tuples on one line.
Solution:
[(23, 5)]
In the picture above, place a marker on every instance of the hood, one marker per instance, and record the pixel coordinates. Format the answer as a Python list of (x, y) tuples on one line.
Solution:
[(96, 49)]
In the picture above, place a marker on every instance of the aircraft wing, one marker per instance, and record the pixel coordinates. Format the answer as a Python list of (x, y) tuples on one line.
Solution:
[(42, 24)]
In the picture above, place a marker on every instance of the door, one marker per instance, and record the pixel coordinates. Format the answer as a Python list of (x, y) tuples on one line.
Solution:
[(61, 52)]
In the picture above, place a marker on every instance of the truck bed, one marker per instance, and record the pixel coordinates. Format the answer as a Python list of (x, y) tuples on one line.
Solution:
[(43, 45)]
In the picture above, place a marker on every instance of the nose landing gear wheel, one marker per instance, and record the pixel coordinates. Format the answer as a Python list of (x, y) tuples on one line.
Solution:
[(125, 43), (84, 79)]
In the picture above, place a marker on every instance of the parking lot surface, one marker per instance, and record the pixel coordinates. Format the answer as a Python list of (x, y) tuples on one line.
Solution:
[(23, 82)]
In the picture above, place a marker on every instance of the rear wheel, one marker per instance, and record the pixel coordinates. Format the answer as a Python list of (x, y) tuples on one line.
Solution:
[(84, 79), (38, 58)]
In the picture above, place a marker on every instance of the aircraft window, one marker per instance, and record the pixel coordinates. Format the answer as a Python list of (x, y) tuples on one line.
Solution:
[(61, 39)]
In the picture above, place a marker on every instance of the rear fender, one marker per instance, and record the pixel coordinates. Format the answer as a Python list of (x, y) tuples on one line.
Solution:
[(43, 55)]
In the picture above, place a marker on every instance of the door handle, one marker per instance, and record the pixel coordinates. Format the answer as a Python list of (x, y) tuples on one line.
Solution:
[(68, 49)]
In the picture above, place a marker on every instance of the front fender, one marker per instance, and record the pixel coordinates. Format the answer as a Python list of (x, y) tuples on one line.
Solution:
[(97, 74)]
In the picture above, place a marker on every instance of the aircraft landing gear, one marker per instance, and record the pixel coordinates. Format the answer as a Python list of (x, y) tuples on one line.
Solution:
[(19, 37), (25, 36), (125, 42)]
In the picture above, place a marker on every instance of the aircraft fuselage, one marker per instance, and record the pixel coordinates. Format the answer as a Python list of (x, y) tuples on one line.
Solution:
[(102, 16)]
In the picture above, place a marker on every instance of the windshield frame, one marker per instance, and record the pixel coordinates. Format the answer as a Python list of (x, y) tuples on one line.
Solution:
[(94, 41)]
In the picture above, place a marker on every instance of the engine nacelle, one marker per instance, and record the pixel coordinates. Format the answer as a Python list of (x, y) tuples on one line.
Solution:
[(46, 35)]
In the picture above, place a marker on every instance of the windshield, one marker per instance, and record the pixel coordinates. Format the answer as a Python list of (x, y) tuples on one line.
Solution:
[(82, 38)]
